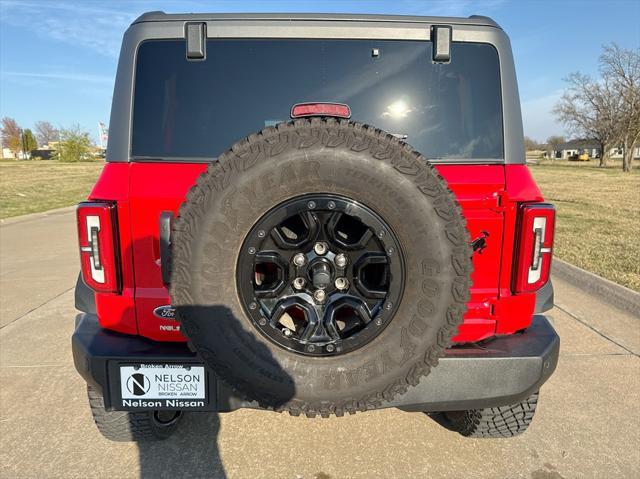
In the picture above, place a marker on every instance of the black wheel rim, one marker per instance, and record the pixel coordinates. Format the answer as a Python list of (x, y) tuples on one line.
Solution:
[(320, 275)]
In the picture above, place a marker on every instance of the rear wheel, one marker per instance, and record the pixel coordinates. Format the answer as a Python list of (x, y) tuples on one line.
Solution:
[(493, 422), (124, 426)]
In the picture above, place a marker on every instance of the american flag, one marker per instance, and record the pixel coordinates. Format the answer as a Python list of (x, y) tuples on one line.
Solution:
[(104, 133)]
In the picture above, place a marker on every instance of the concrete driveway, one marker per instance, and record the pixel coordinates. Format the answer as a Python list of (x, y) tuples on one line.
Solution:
[(587, 424)]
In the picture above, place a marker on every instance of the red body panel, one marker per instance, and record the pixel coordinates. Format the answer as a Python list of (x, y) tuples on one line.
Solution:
[(488, 195), (478, 189), (155, 188), (517, 311), (118, 312)]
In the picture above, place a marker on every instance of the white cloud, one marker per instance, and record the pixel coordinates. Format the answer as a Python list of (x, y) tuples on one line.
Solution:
[(81, 77), (538, 119), (80, 24)]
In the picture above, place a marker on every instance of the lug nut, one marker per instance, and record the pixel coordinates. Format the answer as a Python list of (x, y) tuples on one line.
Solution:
[(342, 283), (341, 260), (299, 283), (299, 259), (330, 348), (286, 332), (319, 296), (320, 248)]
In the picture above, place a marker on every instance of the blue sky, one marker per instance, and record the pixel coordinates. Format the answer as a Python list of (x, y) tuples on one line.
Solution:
[(58, 58)]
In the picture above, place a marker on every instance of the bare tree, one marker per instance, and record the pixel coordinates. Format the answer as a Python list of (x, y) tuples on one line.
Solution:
[(11, 135), (530, 144), (45, 132), (553, 143), (621, 68), (589, 109)]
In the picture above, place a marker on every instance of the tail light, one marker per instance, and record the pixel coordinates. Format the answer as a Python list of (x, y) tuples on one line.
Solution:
[(99, 246), (534, 245), (338, 110)]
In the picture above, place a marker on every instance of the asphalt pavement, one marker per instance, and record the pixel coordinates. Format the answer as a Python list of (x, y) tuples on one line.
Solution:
[(587, 424)]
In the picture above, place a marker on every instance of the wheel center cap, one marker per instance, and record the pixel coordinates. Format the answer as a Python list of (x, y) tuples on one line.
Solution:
[(321, 274)]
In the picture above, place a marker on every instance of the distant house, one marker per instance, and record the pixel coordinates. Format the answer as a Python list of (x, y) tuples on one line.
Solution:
[(573, 148), (618, 153), (46, 152), (43, 153), (576, 147), (7, 154)]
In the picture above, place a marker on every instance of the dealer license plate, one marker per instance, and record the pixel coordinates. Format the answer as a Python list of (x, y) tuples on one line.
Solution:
[(161, 386)]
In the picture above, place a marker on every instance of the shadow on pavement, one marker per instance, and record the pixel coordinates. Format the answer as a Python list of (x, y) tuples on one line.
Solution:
[(191, 452)]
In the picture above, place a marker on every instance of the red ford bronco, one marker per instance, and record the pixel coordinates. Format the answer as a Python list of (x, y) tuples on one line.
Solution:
[(318, 214)]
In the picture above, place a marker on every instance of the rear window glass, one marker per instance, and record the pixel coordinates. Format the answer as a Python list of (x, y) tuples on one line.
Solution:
[(198, 109)]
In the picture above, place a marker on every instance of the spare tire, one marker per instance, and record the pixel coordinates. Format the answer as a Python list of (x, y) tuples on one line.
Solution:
[(320, 266)]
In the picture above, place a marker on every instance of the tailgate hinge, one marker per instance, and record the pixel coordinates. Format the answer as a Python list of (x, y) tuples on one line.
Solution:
[(497, 201), (485, 310)]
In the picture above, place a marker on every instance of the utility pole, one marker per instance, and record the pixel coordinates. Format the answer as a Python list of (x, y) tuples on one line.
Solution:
[(24, 146)]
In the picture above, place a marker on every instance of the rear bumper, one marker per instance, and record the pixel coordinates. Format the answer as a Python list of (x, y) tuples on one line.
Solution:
[(502, 371)]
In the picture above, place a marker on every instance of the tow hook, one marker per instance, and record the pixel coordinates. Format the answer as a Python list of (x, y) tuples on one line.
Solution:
[(480, 242)]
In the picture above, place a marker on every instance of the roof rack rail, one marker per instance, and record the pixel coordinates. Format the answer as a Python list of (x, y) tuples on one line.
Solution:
[(160, 16), (485, 18), (149, 16)]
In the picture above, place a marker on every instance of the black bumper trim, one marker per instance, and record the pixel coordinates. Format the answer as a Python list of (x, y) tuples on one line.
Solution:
[(544, 298), (501, 371)]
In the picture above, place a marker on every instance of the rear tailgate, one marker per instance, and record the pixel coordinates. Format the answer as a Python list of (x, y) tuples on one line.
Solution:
[(479, 190), (161, 187)]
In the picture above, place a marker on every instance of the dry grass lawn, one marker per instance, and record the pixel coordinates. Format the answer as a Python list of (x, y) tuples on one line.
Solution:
[(598, 217), (32, 186)]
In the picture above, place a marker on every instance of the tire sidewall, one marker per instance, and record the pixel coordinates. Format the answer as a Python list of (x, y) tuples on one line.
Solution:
[(401, 188)]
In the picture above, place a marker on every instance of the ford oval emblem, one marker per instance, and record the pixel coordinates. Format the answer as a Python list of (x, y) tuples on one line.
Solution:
[(165, 312)]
